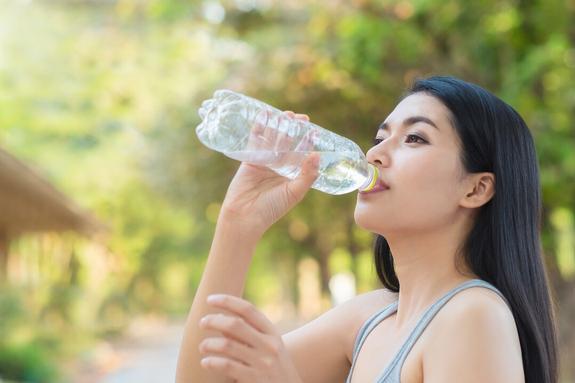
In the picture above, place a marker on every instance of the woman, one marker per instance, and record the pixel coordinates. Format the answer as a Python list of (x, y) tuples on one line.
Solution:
[(457, 215)]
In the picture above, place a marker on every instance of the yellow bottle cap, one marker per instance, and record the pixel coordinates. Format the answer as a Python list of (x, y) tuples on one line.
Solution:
[(374, 173)]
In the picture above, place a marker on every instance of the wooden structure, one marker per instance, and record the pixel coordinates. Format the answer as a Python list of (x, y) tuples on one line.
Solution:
[(29, 203)]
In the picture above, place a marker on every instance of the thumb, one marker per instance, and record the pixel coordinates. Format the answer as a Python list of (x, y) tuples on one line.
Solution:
[(309, 173)]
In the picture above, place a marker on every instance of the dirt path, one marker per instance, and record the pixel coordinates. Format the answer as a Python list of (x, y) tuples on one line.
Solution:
[(146, 354)]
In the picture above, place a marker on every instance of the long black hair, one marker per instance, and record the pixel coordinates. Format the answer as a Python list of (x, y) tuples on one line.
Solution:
[(503, 247)]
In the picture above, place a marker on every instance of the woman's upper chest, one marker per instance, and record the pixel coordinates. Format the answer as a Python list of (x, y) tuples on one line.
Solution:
[(381, 347)]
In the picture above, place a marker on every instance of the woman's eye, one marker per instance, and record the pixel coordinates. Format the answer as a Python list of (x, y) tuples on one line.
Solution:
[(409, 137), (416, 137)]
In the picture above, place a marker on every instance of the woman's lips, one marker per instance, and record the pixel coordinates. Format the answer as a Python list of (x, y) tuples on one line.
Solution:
[(379, 186)]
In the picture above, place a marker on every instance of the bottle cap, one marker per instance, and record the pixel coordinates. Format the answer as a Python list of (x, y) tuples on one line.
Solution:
[(371, 180)]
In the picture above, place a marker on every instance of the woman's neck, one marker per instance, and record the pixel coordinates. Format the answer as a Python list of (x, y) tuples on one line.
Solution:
[(425, 266)]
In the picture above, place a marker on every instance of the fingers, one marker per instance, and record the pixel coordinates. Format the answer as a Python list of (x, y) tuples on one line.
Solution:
[(284, 142), (297, 115), (310, 168), (270, 132), (286, 127), (244, 310), (247, 338), (309, 139), (276, 137), (255, 137), (260, 136), (233, 327), (298, 187), (228, 348), (307, 143), (228, 367)]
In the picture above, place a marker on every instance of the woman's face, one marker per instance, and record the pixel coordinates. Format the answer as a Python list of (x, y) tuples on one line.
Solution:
[(417, 153)]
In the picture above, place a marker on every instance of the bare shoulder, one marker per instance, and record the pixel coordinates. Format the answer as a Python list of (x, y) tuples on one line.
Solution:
[(474, 339), (328, 340), (478, 300), (346, 319)]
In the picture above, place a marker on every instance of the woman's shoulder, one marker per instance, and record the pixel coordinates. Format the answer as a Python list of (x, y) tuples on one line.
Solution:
[(477, 306), (476, 327), (478, 300)]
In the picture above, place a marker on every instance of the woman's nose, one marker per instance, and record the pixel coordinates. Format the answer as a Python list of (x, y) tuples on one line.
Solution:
[(378, 155)]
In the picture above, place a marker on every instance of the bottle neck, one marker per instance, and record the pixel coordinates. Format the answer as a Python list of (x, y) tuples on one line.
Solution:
[(371, 179)]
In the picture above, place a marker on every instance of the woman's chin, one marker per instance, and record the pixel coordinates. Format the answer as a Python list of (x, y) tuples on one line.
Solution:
[(365, 221), (371, 221)]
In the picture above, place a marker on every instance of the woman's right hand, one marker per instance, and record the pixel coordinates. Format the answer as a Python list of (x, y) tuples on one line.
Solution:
[(258, 197)]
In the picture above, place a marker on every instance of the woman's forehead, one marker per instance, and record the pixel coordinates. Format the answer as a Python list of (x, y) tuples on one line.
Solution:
[(421, 104)]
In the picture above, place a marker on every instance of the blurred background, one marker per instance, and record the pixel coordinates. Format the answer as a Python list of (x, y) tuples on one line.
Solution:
[(108, 201)]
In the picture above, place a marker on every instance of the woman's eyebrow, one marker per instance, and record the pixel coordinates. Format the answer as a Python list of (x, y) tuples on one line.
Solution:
[(409, 121)]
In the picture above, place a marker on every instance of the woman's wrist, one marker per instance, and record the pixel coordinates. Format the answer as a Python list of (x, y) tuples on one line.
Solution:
[(246, 229), (249, 226)]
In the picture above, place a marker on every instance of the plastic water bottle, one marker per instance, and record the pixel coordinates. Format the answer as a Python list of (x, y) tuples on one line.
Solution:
[(249, 130)]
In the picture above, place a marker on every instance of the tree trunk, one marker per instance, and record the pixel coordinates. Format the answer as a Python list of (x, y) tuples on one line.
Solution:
[(4, 245), (352, 246), (323, 260)]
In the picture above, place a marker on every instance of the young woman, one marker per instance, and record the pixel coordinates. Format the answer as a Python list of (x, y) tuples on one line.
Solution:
[(457, 217)]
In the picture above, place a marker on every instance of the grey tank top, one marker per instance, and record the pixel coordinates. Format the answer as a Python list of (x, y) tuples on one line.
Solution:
[(392, 373)]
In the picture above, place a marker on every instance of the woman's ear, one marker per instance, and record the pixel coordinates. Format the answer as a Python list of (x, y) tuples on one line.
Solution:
[(479, 189)]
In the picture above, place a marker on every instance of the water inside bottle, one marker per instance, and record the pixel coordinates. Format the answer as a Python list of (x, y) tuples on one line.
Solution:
[(339, 172)]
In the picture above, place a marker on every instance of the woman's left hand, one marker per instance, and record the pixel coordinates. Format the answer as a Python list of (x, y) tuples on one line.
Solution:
[(250, 349)]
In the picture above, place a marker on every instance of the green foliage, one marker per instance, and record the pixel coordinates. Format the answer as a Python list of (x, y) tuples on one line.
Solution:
[(24, 355), (27, 364), (12, 310)]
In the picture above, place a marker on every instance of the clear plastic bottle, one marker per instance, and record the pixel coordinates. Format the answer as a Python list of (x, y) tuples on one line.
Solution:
[(249, 130)]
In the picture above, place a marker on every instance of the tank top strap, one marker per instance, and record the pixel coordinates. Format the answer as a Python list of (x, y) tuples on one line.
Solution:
[(366, 328), (428, 315)]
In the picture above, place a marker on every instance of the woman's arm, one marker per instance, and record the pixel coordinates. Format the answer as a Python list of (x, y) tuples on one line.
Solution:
[(225, 273), (256, 198)]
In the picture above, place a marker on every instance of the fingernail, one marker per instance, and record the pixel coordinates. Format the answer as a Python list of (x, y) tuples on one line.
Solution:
[(214, 298)]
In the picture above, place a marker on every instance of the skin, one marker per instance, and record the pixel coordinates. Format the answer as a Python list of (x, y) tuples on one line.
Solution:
[(425, 215), (216, 336), (430, 205)]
